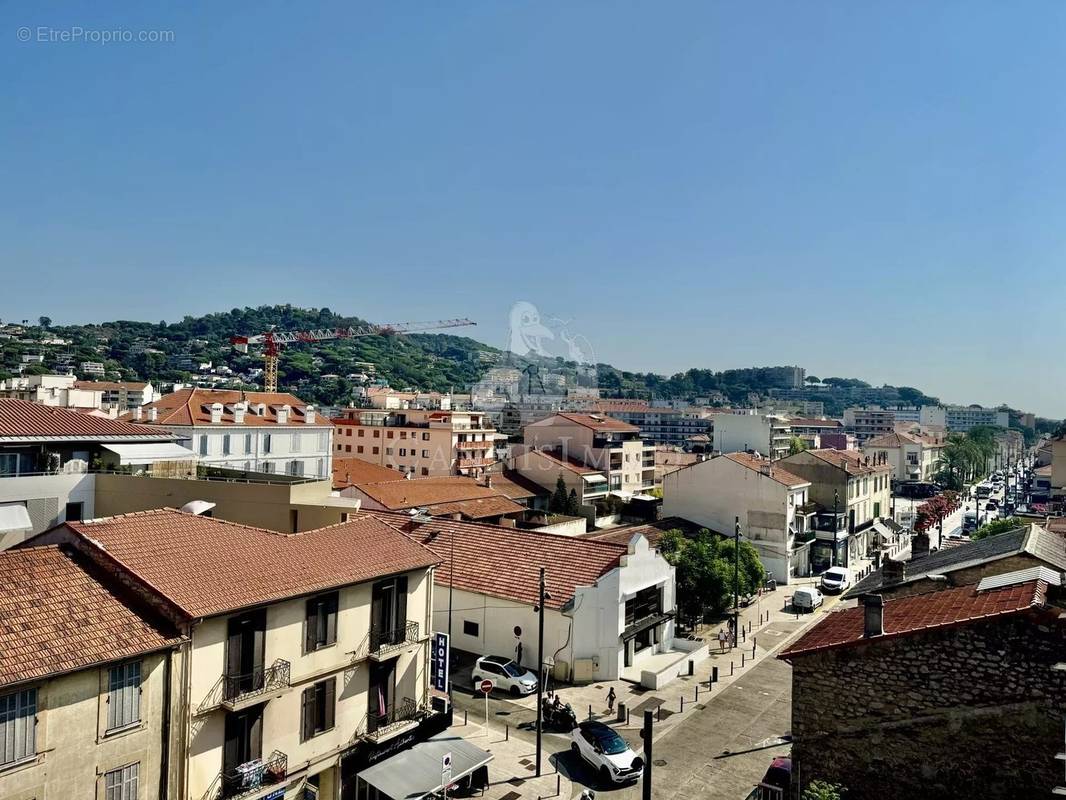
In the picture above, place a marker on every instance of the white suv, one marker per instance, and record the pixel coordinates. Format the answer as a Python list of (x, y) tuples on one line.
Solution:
[(606, 752), (505, 674)]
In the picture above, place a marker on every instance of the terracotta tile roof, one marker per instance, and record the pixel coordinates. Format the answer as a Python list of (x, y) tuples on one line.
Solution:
[(597, 422), (553, 459), (209, 566), (516, 486), (23, 419), (477, 508), (109, 386), (193, 407), (504, 562), (58, 613), (851, 460), (922, 612), (350, 471), (455, 493), (777, 473), (652, 531), (900, 438)]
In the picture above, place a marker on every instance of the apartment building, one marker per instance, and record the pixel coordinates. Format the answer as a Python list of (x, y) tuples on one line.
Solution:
[(851, 491), (94, 369), (420, 442), (866, 422), (48, 457), (122, 395), (305, 657), (658, 425), (765, 434), (60, 391), (769, 500), (271, 432), (600, 444), (84, 673), (814, 426), (960, 419), (912, 457)]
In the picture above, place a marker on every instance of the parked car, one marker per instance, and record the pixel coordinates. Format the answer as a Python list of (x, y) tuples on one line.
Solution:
[(806, 599), (506, 674), (991, 505), (776, 782), (606, 752), (835, 579)]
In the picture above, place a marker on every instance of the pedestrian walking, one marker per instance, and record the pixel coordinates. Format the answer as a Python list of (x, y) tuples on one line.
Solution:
[(723, 637), (610, 700)]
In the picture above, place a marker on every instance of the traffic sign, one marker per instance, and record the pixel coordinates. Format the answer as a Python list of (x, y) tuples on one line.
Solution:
[(486, 686)]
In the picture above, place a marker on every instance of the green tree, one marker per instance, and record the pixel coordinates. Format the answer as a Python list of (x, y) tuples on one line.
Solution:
[(796, 445), (573, 505), (558, 502), (823, 790), (703, 571), (36, 369), (45, 322), (997, 526)]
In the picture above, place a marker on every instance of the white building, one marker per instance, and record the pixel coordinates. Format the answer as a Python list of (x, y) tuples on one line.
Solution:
[(913, 457), (866, 422), (122, 395), (60, 391), (768, 500), (250, 431), (961, 418), (609, 614), (94, 369), (763, 433)]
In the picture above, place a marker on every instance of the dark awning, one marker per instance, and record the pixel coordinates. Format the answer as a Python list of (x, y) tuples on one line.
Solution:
[(643, 624), (415, 773)]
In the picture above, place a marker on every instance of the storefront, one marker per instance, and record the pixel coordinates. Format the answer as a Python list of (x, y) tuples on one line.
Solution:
[(409, 766)]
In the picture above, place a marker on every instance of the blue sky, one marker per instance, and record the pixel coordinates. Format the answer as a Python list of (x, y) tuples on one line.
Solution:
[(867, 189)]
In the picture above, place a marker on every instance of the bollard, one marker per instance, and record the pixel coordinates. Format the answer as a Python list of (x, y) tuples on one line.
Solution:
[(627, 716), (623, 713), (743, 656), (753, 651), (714, 674), (743, 634), (749, 626), (697, 692), (557, 785), (731, 669), (691, 667), (507, 733), (682, 704), (464, 716), (659, 714), (590, 710), (754, 639)]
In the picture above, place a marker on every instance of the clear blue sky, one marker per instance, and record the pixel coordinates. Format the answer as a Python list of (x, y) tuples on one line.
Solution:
[(874, 190)]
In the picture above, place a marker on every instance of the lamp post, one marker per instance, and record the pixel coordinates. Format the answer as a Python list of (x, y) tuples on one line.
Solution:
[(736, 581), (540, 666), (836, 526)]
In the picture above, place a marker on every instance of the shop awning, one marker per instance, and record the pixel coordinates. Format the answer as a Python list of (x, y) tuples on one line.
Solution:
[(149, 452), (643, 624), (14, 517), (415, 773)]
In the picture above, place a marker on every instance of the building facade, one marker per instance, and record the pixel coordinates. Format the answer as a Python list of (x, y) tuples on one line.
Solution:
[(912, 457), (768, 435), (867, 422)]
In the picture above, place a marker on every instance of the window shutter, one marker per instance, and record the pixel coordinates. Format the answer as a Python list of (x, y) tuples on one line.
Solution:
[(311, 626), (308, 713), (401, 607), (331, 702), (331, 619)]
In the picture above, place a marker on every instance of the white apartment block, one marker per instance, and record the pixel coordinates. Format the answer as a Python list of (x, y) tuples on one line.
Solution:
[(59, 391), (273, 433), (418, 442), (963, 418), (765, 434), (122, 395)]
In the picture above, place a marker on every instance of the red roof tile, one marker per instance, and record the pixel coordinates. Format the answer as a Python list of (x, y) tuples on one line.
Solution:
[(939, 609), (193, 407), (776, 472), (210, 566), (58, 613), (599, 423), (504, 562), (23, 419), (350, 471), (451, 494), (850, 460), (554, 459)]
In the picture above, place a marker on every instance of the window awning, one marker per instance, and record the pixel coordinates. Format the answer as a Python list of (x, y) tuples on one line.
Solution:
[(149, 452), (643, 624), (14, 517), (594, 478), (416, 773)]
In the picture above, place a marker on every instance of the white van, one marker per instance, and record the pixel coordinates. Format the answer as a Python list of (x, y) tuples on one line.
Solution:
[(806, 599)]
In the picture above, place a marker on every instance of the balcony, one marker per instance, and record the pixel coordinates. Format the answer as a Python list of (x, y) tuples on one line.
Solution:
[(250, 777), (470, 463), (401, 716), (241, 691), (384, 644), (473, 445)]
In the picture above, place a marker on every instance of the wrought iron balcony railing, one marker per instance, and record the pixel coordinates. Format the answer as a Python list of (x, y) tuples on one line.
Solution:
[(252, 776), (261, 680), (384, 641), (380, 722)]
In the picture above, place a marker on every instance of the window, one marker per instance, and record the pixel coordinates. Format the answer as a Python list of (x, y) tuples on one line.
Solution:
[(425, 470), (390, 434), (359, 448), (296, 443), (317, 713), (425, 437), (375, 451), (403, 434), (347, 448), (321, 468), (203, 445), (266, 442), (74, 511), (323, 440), (377, 434), (124, 695), (121, 784), (296, 468), (360, 432), (321, 622), (425, 454), (225, 444), (403, 451), (388, 451), (18, 726), (471, 628), (268, 467)]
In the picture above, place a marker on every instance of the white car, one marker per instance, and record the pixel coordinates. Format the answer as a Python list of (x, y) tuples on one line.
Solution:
[(806, 599), (606, 752), (835, 579), (505, 674)]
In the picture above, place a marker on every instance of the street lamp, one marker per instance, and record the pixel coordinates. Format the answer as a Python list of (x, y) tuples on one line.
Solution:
[(539, 608), (736, 581), (836, 526)]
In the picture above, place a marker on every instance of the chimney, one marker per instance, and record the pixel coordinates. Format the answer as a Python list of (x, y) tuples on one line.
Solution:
[(216, 413), (893, 571), (153, 414), (919, 545), (239, 410), (283, 415), (309, 415), (873, 620), (488, 481), (137, 412)]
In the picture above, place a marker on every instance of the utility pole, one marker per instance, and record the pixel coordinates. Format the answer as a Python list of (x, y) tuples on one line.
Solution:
[(645, 734), (540, 668), (736, 582), (836, 525)]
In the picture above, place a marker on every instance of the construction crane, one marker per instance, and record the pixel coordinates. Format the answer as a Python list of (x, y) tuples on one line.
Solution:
[(273, 341)]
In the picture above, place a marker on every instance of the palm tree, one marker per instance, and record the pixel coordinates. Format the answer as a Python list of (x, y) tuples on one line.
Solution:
[(955, 462)]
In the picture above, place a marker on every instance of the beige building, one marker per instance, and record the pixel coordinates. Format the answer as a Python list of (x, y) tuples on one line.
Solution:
[(305, 657), (418, 442), (912, 457), (121, 395), (84, 673), (599, 443)]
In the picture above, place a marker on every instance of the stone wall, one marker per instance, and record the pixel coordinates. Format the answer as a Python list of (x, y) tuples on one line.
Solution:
[(972, 711), (961, 577)]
